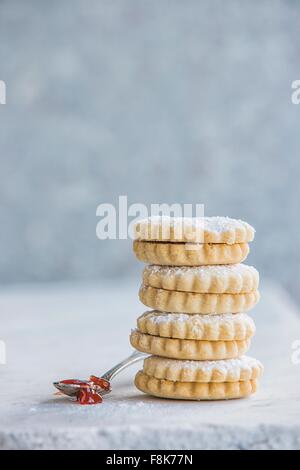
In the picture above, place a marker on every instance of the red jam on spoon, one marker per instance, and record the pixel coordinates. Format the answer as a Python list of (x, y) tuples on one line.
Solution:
[(88, 390), (88, 397), (104, 384)]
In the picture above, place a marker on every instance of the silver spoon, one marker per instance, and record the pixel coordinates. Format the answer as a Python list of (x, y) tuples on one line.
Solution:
[(72, 389)]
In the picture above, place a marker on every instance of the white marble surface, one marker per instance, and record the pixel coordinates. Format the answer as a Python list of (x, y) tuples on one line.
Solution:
[(54, 332)]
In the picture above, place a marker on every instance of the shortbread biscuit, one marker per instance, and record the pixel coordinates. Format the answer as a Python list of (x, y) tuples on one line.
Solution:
[(190, 302), (194, 390), (188, 348), (188, 254), (223, 327), (227, 279), (229, 370), (194, 230)]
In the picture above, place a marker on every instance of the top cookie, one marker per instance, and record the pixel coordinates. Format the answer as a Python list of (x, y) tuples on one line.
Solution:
[(194, 230)]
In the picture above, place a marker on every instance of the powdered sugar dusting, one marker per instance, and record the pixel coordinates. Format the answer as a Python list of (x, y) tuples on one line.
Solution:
[(200, 271), (232, 366), (216, 224), (223, 224), (157, 317)]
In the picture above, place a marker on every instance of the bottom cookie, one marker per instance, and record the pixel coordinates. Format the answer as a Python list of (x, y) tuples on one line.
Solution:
[(194, 390)]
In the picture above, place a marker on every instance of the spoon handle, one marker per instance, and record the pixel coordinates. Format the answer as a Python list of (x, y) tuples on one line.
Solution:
[(134, 357)]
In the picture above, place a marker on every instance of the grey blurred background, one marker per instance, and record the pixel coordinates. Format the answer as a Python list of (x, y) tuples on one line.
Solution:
[(165, 101)]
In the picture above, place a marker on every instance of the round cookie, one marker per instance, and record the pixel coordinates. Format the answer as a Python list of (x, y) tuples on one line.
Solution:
[(194, 390), (222, 327), (188, 254), (190, 302), (194, 230), (229, 370), (226, 279), (188, 348)]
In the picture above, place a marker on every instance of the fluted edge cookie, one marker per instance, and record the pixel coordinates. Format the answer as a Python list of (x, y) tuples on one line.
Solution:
[(194, 229), (190, 302), (227, 279), (230, 370), (220, 327), (187, 254), (194, 390), (188, 348)]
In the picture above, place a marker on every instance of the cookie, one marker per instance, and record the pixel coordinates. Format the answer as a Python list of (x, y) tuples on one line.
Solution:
[(190, 302), (194, 230), (230, 370), (188, 254), (194, 390), (224, 327), (227, 279), (188, 348)]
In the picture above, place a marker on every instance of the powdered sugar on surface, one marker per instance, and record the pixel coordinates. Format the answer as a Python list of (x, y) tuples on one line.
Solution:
[(232, 366), (73, 316)]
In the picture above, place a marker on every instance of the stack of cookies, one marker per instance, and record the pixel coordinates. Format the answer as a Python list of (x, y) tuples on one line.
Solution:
[(198, 330)]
